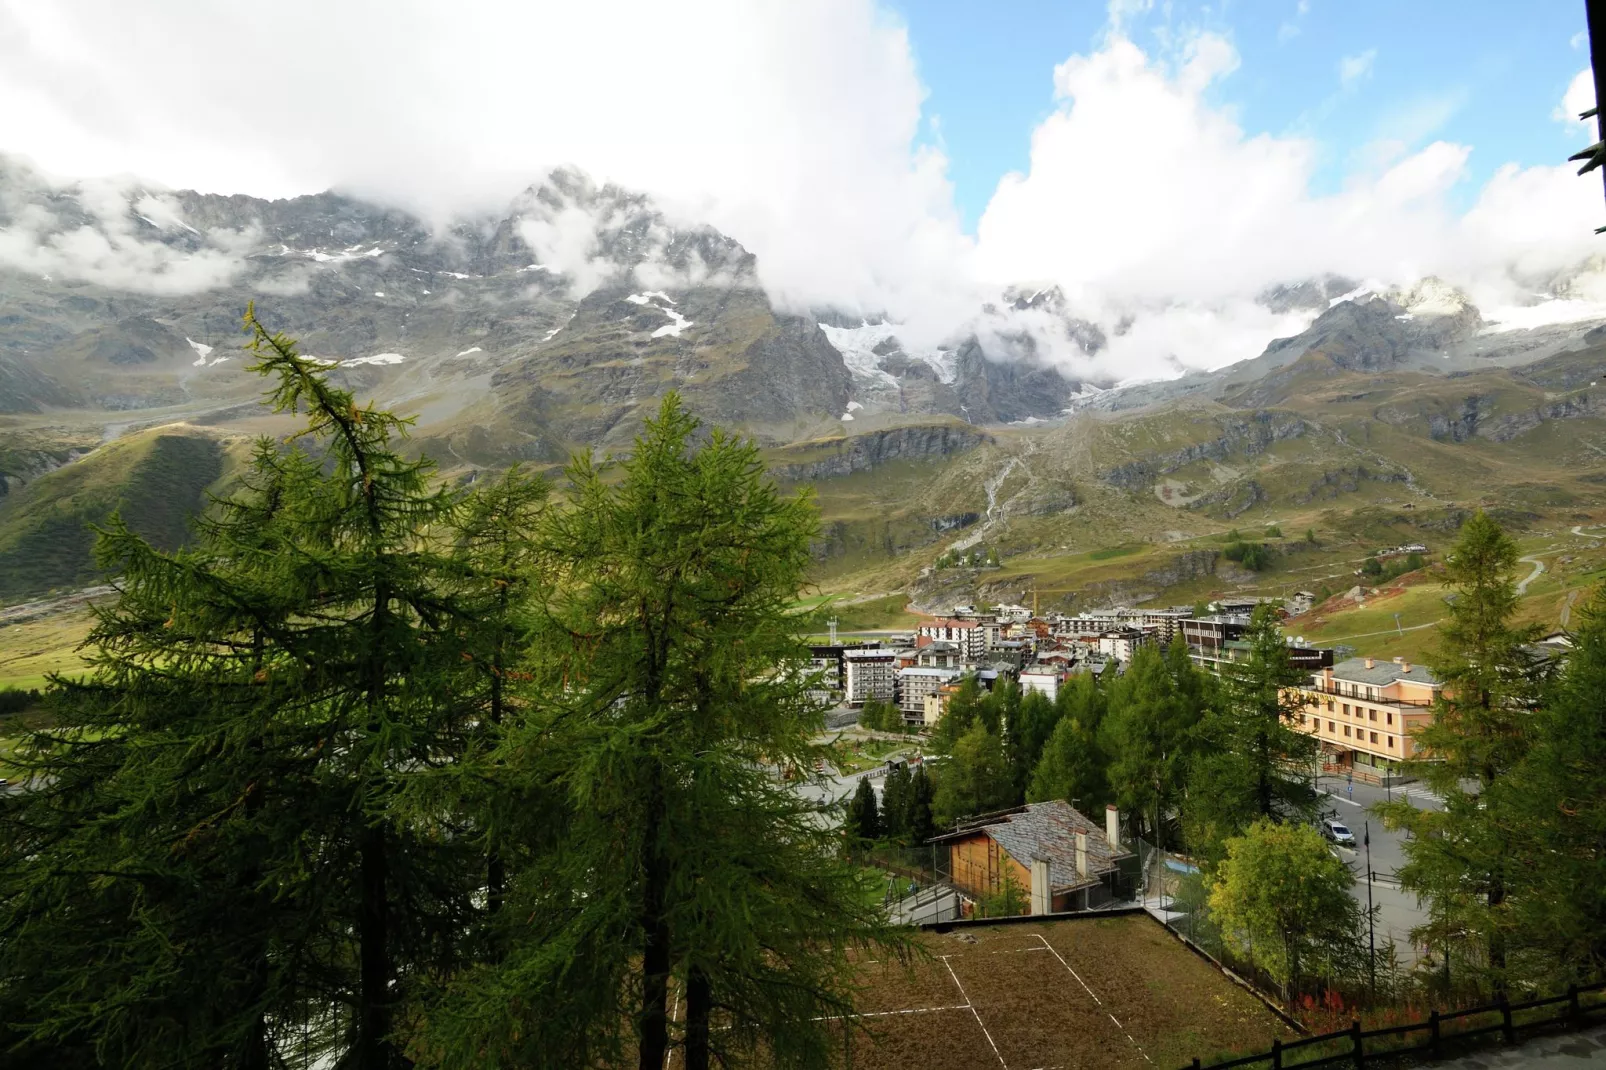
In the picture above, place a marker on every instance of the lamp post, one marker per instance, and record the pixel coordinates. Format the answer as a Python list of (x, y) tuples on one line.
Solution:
[(1371, 914)]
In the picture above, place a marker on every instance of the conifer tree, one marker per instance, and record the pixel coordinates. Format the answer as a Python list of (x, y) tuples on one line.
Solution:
[(226, 828), (864, 818), (1148, 734), (964, 706), (1556, 802), (1252, 762), (918, 823), (685, 860), (975, 779), (1481, 730), (895, 791), (1072, 767), (1026, 733)]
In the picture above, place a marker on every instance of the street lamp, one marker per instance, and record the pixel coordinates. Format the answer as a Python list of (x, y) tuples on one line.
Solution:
[(1371, 913)]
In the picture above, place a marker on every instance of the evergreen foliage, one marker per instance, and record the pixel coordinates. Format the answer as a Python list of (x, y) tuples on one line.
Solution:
[(227, 831), (1251, 762), (1148, 734), (378, 772), (684, 861), (864, 818), (1459, 858), (1072, 766), (974, 780), (1556, 799)]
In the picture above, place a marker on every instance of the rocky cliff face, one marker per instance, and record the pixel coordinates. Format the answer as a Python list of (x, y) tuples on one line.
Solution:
[(1247, 437), (860, 453)]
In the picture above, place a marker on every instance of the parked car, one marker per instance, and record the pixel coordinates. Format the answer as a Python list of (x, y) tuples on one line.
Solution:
[(1337, 832)]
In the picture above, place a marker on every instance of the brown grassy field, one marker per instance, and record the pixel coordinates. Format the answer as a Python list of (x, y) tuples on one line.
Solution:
[(1096, 993)]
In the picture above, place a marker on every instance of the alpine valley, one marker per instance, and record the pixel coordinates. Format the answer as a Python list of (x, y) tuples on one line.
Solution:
[(1386, 420)]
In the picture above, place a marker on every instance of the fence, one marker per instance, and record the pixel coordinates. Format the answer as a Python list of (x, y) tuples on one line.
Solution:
[(1351, 1045)]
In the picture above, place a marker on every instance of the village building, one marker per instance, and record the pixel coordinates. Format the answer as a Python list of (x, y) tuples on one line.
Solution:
[(939, 654), (916, 685), (1045, 679), (1056, 857), (870, 672), (967, 634), (1365, 712), (1122, 643)]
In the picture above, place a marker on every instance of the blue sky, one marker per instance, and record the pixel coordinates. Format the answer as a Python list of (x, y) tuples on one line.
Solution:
[(1483, 73)]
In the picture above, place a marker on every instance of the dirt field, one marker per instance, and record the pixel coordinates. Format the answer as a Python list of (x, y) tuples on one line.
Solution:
[(1091, 993)]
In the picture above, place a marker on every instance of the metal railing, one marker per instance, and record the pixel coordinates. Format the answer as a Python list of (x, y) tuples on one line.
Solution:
[(1351, 1045)]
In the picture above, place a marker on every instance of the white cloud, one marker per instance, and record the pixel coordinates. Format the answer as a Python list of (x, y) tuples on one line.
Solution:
[(1352, 70), (793, 127), (1579, 98), (1144, 199), (119, 245)]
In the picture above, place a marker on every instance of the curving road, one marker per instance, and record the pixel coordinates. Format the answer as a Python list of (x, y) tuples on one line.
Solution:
[(1539, 570)]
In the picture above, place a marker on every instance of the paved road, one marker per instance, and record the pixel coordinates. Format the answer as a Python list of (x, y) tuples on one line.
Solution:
[(1398, 911), (1569, 1051), (1539, 570)]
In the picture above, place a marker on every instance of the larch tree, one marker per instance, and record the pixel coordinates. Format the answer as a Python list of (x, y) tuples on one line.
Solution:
[(687, 863), (1555, 807), (1072, 766), (223, 830), (1481, 729), (1252, 763)]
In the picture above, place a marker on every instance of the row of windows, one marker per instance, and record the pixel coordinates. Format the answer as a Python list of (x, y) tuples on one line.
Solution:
[(1371, 714), (1362, 735)]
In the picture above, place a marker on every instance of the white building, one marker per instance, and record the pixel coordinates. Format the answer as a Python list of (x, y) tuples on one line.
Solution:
[(870, 672), (1046, 680), (1122, 644), (968, 635)]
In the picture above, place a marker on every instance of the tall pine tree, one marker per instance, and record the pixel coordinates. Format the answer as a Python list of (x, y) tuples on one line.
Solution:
[(1481, 730), (227, 822)]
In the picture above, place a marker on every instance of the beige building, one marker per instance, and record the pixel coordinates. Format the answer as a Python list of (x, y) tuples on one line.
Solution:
[(1366, 711), (916, 685)]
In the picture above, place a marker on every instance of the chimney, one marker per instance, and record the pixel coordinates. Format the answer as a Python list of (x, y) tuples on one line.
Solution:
[(1081, 854), (1112, 827), (1405, 666), (1369, 663)]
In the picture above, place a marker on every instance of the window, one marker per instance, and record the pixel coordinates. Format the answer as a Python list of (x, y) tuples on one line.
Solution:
[(1346, 730), (1346, 709), (1371, 715), (1374, 737), (1391, 743), (1330, 727), (1390, 718)]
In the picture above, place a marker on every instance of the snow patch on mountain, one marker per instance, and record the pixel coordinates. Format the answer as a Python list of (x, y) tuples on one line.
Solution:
[(672, 330), (377, 358), (858, 344), (202, 351)]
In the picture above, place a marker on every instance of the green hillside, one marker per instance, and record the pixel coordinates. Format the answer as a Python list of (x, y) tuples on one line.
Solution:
[(155, 479)]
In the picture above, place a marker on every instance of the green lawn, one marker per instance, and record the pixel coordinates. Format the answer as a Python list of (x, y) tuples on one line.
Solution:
[(29, 651)]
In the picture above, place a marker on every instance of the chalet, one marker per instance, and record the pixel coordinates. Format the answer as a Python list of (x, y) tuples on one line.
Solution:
[(1058, 858)]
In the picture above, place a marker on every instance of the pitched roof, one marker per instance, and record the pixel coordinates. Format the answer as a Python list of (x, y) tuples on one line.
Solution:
[(1048, 830)]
